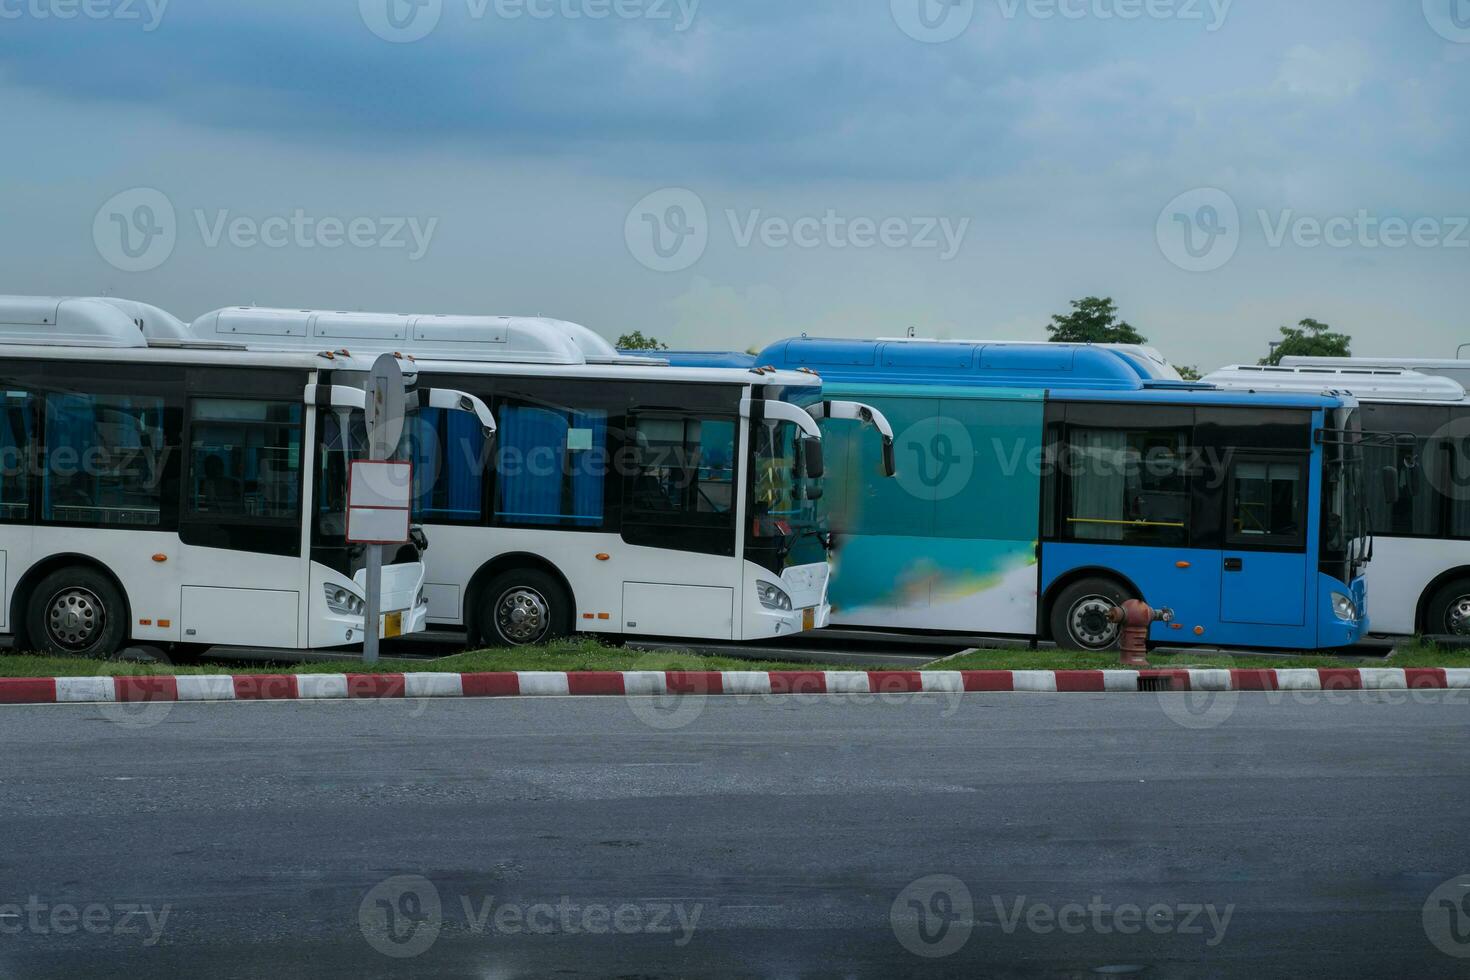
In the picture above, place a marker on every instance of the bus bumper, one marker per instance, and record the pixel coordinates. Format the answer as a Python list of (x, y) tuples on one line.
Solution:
[(805, 586), (1339, 623), (403, 609)]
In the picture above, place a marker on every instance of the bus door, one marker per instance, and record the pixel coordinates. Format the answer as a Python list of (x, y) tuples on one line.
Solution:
[(1265, 573), (240, 515)]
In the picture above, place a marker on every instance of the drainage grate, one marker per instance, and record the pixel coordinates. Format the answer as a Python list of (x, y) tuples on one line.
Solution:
[(1151, 685)]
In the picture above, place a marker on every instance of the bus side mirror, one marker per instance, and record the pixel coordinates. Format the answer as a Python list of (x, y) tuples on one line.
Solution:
[(816, 465), (890, 462), (1390, 477)]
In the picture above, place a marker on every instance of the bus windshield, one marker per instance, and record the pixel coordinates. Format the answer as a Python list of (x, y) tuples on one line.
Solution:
[(1346, 538), (788, 520)]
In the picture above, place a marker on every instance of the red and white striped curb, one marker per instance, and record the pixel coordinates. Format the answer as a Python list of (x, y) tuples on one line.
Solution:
[(332, 687)]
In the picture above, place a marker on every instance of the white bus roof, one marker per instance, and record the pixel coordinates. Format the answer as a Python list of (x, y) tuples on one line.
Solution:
[(512, 339), (1444, 367), (85, 321), (473, 344), (119, 330), (1378, 384)]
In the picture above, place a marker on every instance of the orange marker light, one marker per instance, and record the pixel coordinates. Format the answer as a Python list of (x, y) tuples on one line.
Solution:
[(160, 558), (1199, 631), (165, 623), (145, 622), (604, 615), (1182, 564), (604, 557)]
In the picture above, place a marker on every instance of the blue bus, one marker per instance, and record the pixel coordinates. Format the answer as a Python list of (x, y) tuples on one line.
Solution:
[(1040, 485)]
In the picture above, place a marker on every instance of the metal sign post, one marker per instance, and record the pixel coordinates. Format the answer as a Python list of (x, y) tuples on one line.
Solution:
[(385, 407)]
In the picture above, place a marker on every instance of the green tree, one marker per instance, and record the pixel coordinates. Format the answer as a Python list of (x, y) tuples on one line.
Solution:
[(1093, 320), (1188, 372), (636, 341), (1310, 338)]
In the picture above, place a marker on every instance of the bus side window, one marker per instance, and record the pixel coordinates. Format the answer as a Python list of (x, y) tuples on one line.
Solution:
[(104, 460), (448, 451), (17, 439), (1128, 486), (244, 459), (1268, 503), (552, 468)]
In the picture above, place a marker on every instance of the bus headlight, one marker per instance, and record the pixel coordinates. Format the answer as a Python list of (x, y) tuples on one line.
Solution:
[(773, 598), (1344, 607), (343, 602)]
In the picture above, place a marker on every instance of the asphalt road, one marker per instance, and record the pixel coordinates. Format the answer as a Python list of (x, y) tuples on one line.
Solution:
[(995, 836)]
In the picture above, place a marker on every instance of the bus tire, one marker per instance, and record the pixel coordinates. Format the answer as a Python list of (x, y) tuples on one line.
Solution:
[(1078, 615), (77, 612), (1448, 612), (524, 607)]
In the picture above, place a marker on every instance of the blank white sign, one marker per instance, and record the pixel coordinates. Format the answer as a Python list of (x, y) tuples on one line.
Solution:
[(377, 525), (379, 496), (381, 485)]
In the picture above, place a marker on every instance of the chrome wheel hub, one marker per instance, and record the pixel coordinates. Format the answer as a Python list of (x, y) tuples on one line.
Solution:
[(1457, 619), (1089, 622), (74, 618), (522, 615)]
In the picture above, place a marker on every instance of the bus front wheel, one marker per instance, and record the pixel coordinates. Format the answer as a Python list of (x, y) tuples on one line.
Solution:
[(1449, 611), (77, 612), (524, 607), (1079, 615)]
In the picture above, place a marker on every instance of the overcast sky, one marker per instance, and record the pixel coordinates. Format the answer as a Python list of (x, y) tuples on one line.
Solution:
[(725, 173)]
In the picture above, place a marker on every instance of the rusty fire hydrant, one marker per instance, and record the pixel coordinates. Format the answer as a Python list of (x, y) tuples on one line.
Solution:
[(1136, 616)]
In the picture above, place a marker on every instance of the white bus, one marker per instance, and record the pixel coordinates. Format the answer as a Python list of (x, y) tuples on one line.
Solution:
[(627, 497), (1418, 491), (165, 491)]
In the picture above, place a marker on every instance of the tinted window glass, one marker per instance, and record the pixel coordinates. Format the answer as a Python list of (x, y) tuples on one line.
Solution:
[(553, 465), (687, 466), (1268, 502), (1129, 486), (17, 425), (448, 450), (244, 459), (104, 461), (681, 482)]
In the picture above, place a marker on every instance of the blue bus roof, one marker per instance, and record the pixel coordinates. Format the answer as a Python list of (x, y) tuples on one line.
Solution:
[(1071, 371), (965, 363), (699, 358)]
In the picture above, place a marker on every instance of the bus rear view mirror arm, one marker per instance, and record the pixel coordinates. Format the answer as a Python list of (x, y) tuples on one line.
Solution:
[(783, 412), (868, 416), (336, 396), (458, 401)]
